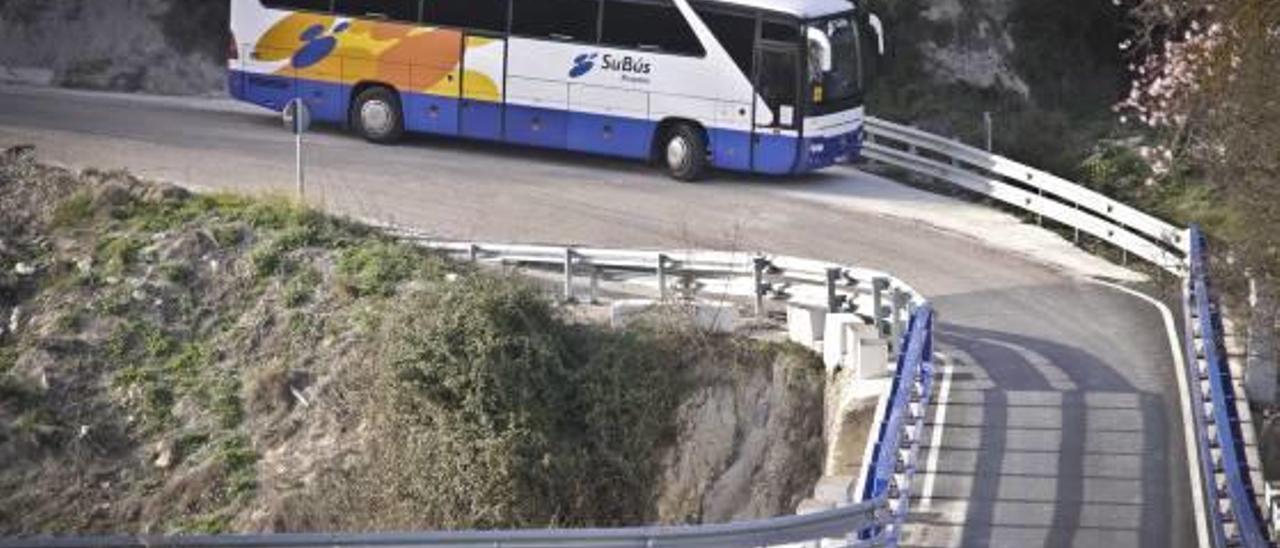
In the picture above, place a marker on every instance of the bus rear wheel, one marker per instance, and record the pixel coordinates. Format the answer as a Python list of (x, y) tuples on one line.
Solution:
[(377, 116), (685, 153)]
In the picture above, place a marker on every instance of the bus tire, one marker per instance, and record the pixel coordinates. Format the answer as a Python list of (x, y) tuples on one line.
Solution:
[(684, 152), (376, 114)]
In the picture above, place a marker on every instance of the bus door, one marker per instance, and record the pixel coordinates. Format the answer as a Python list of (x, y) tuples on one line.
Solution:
[(483, 78), (776, 135)]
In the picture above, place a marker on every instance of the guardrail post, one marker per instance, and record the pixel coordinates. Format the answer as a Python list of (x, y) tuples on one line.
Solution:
[(1039, 215), (568, 274), (833, 300), (758, 264), (986, 122), (596, 272), (473, 252), (662, 277), (878, 286), (898, 325)]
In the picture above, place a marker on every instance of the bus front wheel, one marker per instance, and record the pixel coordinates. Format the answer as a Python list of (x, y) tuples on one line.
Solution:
[(685, 153), (377, 116)]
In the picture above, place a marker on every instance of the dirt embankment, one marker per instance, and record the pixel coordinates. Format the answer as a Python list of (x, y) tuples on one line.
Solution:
[(184, 363)]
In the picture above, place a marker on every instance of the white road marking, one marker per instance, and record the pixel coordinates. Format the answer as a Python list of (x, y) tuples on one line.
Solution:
[(935, 440), (1188, 425)]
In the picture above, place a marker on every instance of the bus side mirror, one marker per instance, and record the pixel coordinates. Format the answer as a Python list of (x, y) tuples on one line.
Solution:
[(878, 26)]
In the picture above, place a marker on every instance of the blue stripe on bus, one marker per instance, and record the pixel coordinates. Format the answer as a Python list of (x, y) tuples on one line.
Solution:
[(733, 150), (430, 114)]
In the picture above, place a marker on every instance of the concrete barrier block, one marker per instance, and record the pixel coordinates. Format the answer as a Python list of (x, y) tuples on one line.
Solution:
[(838, 334), (805, 323), (623, 312), (833, 489), (719, 317), (873, 358)]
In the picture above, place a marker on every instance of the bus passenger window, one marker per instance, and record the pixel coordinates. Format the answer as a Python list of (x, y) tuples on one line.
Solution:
[(300, 5), (568, 20), (652, 26), (736, 33), (395, 10), (490, 15)]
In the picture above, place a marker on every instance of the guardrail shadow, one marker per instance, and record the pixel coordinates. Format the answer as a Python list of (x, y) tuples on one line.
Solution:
[(1044, 444)]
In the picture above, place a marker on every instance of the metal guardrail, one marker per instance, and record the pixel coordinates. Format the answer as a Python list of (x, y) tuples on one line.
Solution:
[(1030, 189), (897, 445), (1234, 515), (1235, 518), (788, 529)]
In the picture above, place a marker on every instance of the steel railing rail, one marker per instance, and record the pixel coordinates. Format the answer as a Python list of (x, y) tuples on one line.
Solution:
[(788, 529), (1030, 189), (1235, 518)]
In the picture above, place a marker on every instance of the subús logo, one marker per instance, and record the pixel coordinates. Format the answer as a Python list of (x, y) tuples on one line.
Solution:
[(583, 64), (625, 64)]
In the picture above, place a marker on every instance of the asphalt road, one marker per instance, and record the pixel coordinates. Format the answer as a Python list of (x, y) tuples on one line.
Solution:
[(1063, 425)]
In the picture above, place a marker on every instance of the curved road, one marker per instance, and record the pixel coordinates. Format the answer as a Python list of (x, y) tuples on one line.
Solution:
[(1063, 424)]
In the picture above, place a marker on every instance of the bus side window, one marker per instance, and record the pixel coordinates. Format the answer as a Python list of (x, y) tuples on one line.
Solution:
[(567, 20), (737, 33), (648, 25), (299, 5), (394, 10), (488, 15)]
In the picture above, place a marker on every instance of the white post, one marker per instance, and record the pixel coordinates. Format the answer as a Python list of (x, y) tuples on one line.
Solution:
[(986, 122), (302, 194)]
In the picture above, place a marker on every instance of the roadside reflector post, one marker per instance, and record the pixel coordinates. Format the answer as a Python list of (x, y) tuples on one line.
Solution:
[(297, 119)]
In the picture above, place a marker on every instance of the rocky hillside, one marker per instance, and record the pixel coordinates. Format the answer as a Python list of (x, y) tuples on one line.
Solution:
[(179, 363), (152, 46)]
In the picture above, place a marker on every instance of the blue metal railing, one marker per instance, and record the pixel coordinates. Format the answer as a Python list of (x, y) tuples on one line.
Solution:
[(897, 443), (1220, 440)]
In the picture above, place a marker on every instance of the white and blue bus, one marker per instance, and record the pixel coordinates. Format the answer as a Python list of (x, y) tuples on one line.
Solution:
[(765, 86)]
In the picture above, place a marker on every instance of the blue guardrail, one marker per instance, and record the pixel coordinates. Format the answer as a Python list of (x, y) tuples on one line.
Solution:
[(897, 441), (1215, 413)]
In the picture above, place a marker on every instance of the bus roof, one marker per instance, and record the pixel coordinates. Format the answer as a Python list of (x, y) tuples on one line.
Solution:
[(804, 9)]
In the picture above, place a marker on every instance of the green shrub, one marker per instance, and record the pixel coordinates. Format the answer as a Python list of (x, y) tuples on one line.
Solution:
[(301, 286), (267, 259), (377, 268), (501, 414), (118, 253), (227, 406), (73, 211), (239, 462), (8, 358)]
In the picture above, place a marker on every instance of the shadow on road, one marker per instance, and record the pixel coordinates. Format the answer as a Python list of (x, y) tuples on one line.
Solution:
[(1045, 445)]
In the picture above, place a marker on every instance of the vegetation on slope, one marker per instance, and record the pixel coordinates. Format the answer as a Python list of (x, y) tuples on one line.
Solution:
[(206, 363)]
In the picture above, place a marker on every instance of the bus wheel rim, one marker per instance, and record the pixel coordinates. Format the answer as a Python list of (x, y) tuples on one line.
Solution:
[(677, 153), (375, 116)]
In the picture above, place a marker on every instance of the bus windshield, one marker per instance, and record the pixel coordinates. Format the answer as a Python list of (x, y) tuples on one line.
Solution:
[(835, 71)]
